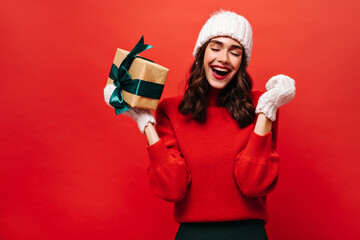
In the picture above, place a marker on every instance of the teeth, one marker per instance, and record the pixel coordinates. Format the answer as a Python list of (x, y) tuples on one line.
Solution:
[(220, 69)]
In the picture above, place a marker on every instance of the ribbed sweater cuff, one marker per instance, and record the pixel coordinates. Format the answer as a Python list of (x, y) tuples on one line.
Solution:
[(258, 145), (157, 153)]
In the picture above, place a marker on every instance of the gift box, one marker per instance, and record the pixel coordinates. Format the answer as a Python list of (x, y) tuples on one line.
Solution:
[(139, 81)]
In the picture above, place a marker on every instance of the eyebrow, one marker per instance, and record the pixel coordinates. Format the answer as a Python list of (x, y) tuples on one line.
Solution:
[(221, 43)]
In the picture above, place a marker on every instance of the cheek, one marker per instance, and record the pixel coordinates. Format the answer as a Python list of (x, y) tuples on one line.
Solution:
[(236, 68), (237, 64), (207, 57)]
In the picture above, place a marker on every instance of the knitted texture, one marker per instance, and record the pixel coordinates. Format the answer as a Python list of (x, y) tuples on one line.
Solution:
[(141, 116), (281, 90), (213, 171), (229, 24), (108, 90)]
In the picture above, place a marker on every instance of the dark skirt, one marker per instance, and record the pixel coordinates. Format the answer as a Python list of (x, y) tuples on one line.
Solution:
[(252, 229)]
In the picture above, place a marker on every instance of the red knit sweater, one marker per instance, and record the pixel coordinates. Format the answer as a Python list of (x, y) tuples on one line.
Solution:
[(213, 171)]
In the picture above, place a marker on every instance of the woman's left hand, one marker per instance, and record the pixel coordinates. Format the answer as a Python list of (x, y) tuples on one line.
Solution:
[(280, 90)]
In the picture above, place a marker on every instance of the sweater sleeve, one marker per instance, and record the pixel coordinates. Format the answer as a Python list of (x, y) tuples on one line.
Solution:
[(168, 173), (256, 167)]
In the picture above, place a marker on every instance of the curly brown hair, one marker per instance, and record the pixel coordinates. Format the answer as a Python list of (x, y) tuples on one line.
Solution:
[(235, 97)]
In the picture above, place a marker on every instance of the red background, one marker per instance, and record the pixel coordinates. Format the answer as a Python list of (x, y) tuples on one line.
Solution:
[(72, 169)]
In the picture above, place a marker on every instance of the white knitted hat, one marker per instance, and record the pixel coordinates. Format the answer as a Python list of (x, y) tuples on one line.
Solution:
[(229, 24)]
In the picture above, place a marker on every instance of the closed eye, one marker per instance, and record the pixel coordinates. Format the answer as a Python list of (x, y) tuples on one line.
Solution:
[(215, 49)]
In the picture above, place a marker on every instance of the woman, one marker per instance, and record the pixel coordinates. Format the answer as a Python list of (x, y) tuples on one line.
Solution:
[(212, 153)]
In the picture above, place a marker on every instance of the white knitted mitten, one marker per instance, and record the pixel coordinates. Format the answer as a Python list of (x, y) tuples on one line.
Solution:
[(280, 90), (141, 116), (108, 90)]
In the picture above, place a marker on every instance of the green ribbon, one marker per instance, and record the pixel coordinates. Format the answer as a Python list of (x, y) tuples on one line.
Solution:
[(123, 81)]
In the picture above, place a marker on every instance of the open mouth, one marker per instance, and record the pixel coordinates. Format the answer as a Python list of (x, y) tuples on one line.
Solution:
[(220, 71)]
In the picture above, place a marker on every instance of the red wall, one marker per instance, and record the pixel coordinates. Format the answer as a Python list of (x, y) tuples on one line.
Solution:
[(72, 169)]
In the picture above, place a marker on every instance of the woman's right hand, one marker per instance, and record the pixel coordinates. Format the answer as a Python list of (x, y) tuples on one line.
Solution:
[(141, 116), (108, 90)]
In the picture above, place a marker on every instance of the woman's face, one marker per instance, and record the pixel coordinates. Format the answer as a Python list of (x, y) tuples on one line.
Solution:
[(222, 61)]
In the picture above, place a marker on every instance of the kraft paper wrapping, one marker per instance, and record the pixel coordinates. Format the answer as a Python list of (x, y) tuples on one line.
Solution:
[(144, 70)]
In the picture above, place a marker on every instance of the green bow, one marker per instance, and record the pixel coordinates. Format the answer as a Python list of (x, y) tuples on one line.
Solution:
[(123, 81)]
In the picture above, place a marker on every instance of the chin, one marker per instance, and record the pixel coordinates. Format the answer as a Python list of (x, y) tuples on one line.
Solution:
[(217, 84)]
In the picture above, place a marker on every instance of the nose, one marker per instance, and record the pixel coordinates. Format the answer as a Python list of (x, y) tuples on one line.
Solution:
[(223, 57)]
